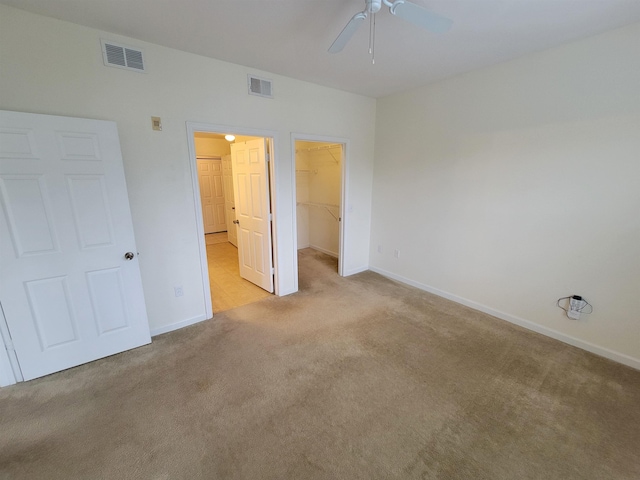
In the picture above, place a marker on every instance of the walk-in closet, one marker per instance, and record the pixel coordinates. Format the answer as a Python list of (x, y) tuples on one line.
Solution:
[(318, 195)]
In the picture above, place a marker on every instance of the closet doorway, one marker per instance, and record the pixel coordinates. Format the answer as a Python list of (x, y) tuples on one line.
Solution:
[(226, 264), (319, 192)]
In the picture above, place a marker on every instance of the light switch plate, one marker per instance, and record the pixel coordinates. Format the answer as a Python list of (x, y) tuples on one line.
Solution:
[(156, 123)]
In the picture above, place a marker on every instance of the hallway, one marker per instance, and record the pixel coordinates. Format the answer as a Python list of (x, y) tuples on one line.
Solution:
[(228, 289)]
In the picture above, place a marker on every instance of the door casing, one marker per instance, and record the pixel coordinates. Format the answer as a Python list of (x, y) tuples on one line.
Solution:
[(272, 138), (344, 210)]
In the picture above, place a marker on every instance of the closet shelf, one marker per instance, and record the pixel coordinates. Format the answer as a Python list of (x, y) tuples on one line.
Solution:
[(328, 148), (307, 171)]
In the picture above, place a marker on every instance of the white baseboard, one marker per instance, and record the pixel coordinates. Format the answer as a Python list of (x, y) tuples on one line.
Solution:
[(353, 271), (176, 326), (7, 376), (529, 325), (324, 250)]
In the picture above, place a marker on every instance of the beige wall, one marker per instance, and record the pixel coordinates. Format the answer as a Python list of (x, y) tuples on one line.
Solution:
[(54, 67), (506, 188), (210, 147), (319, 183), (510, 187)]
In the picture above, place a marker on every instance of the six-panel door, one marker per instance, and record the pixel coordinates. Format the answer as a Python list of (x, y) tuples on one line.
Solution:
[(68, 291)]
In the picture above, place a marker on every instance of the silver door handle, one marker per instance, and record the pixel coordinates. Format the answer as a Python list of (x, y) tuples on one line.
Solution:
[(129, 256), (237, 222)]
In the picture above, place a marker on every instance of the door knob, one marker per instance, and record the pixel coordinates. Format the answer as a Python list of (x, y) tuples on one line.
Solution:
[(129, 256), (237, 222)]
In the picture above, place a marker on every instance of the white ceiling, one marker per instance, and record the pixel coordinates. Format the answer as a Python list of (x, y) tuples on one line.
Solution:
[(291, 37)]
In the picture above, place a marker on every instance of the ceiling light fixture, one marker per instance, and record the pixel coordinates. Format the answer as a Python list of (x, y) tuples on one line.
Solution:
[(229, 138), (404, 9)]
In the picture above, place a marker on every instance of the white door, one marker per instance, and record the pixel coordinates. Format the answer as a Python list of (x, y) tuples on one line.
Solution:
[(251, 190), (70, 283), (212, 194), (229, 200)]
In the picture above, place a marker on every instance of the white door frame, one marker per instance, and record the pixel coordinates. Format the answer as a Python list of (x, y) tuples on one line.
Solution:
[(272, 137), (304, 137), (9, 367)]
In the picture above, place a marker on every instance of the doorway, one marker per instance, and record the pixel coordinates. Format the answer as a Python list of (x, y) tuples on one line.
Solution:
[(233, 256), (319, 169)]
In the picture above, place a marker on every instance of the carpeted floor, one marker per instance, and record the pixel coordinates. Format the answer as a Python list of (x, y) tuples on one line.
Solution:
[(351, 378)]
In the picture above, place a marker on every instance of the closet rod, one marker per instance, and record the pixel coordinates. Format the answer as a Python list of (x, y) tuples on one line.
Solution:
[(326, 206)]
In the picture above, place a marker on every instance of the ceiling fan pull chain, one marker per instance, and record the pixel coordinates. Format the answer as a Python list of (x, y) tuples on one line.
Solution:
[(404, 9), (372, 39), (370, 30)]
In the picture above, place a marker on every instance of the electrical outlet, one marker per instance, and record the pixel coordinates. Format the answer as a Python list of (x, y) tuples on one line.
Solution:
[(576, 304), (396, 253), (178, 291)]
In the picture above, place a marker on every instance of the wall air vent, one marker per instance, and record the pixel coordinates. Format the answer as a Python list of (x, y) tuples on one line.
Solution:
[(122, 56), (259, 86)]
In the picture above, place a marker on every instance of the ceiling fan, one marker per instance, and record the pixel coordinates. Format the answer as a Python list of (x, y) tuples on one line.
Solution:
[(408, 11)]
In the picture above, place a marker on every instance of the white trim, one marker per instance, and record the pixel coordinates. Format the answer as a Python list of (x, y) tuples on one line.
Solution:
[(272, 166), (6, 373), (325, 251), (529, 325), (356, 270), (345, 142), (178, 325), (197, 204), (284, 293), (9, 367)]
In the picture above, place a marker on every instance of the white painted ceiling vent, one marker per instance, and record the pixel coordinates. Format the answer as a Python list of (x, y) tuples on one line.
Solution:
[(260, 86), (122, 56)]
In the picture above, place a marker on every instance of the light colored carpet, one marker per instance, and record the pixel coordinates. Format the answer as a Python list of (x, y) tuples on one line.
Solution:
[(351, 378)]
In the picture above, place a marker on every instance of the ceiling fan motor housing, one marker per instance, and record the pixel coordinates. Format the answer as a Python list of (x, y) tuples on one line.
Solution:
[(373, 6), (403, 9)]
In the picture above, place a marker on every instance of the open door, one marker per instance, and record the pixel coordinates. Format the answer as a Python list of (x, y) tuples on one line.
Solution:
[(253, 222), (70, 286)]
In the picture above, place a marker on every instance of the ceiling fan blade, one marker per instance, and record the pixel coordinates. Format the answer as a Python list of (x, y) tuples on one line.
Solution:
[(347, 32), (420, 16)]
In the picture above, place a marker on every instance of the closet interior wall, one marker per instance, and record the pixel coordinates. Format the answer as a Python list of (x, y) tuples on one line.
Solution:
[(318, 187)]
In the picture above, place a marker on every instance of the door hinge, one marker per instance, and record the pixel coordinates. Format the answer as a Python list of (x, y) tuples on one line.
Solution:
[(273, 271), (267, 157), (271, 217)]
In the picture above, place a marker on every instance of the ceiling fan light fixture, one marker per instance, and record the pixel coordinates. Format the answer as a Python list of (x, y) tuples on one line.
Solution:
[(403, 9), (373, 6), (420, 16), (394, 5)]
